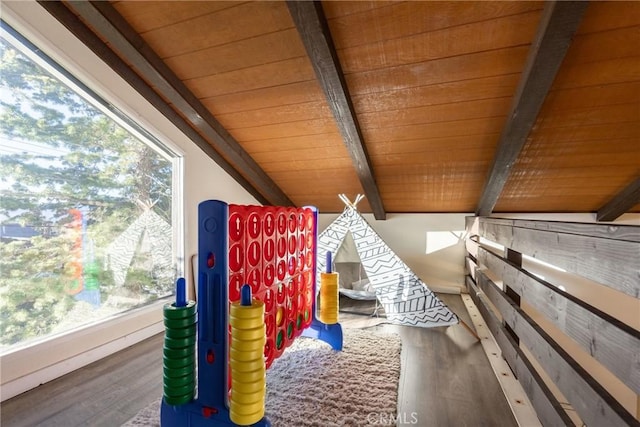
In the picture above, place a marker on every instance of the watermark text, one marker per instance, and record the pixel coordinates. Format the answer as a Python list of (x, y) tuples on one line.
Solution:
[(392, 419)]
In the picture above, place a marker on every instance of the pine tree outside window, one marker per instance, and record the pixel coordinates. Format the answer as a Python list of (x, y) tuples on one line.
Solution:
[(86, 203)]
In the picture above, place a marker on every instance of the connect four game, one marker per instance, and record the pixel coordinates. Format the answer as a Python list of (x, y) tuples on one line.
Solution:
[(256, 289), (273, 250)]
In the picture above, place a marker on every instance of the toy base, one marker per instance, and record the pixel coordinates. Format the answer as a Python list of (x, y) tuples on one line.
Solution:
[(331, 334), (194, 414)]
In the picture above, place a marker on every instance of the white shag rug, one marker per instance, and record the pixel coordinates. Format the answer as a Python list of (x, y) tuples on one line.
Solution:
[(313, 385)]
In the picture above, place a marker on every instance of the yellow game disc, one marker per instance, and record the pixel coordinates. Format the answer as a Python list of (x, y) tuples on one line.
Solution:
[(247, 388), (246, 408), (246, 420), (245, 323), (248, 345), (242, 356), (248, 397), (247, 312), (248, 334), (252, 365), (328, 305), (248, 377)]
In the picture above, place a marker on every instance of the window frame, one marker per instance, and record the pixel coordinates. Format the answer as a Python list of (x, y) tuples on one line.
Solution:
[(27, 366)]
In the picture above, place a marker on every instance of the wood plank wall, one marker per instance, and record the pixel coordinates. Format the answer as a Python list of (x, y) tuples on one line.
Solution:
[(519, 306)]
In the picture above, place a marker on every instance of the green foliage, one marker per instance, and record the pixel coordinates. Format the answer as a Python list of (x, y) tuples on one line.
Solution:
[(32, 287), (70, 156)]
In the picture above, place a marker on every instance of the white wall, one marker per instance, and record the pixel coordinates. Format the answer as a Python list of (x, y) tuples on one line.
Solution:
[(409, 236), (202, 179)]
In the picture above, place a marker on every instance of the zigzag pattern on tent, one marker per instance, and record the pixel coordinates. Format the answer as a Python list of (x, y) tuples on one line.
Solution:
[(405, 298)]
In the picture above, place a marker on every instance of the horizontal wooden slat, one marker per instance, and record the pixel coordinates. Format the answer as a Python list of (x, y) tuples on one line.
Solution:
[(593, 96), (278, 114), (550, 190), (592, 156), (423, 167), (473, 66), (295, 143), (470, 263), (432, 196), (542, 203), (612, 71), (627, 233), (344, 8), (427, 204), (601, 46), (149, 15), (436, 94), (603, 260), (403, 19), (318, 126), (330, 177), (298, 163), (612, 343), (449, 112), (437, 157), (471, 284), (599, 132), (601, 185), (243, 21), (547, 407), (248, 100), (464, 146), (309, 154), (261, 76), (603, 16), (264, 49), (619, 113), (592, 402), (435, 130), (587, 169), (497, 33)]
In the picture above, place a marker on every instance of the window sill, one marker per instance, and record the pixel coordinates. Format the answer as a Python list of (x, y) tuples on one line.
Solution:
[(32, 365)]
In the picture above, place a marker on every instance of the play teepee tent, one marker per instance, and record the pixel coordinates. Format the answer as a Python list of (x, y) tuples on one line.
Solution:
[(156, 234), (405, 298)]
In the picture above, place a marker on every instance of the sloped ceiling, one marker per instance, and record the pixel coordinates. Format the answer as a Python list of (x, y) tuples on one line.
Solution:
[(483, 107)]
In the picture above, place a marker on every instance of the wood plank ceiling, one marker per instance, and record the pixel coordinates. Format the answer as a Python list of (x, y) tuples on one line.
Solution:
[(414, 106)]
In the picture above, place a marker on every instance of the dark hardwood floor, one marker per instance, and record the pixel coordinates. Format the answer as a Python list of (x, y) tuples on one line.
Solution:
[(446, 380)]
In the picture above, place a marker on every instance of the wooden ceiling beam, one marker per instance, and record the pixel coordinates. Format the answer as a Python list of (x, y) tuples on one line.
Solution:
[(312, 25), (217, 143), (621, 203), (559, 22)]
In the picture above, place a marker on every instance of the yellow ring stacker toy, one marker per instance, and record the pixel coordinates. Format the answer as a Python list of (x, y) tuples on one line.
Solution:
[(248, 381), (329, 295)]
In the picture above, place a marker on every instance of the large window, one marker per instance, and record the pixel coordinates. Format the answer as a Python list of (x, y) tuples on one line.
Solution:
[(86, 202)]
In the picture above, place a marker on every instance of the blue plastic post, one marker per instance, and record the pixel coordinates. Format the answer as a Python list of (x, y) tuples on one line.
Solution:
[(328, 267), (181, 292), (245, 295)]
